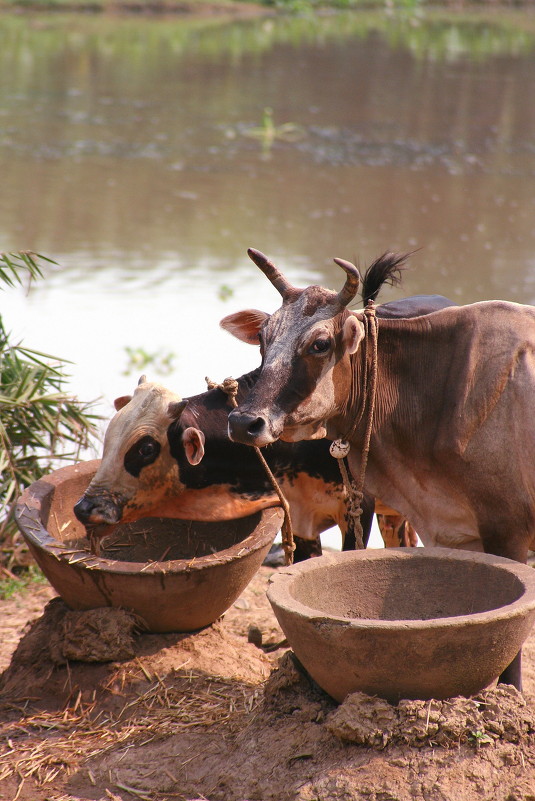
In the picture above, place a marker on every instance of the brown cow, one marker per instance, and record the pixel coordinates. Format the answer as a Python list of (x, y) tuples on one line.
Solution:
[(453, 431), (173, 458)]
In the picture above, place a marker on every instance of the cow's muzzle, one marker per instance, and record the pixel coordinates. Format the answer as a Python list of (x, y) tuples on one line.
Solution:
[(97, 511), (249, 429)]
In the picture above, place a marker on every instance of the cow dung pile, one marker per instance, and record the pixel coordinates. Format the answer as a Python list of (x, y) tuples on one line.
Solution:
[(499, 713), (62, 635), (93, 708)]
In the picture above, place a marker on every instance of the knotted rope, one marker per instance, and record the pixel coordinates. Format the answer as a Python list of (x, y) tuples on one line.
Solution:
[(341, 447), (230, 388)]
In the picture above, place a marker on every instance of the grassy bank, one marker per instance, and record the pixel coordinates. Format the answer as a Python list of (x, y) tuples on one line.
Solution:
[(182, 6), (127, 6)]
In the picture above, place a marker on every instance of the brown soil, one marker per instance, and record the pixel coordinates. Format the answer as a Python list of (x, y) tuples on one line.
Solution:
[(198, 716)]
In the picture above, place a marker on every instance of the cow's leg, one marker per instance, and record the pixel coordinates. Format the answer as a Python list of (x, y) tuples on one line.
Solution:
[(388, 526), (512, 547), (349, 540), (305, 549), (409, 537)]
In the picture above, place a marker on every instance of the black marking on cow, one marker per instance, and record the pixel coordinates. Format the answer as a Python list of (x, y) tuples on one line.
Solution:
[(301, 383), (229, 463), (143, 453)]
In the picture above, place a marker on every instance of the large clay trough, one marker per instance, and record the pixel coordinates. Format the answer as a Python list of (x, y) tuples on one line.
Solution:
[(405, 623), (178, 575)]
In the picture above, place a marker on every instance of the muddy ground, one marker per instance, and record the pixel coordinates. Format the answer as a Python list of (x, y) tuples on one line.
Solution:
[(211, 715)]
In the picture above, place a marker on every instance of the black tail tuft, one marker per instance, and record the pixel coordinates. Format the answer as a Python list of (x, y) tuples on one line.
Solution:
[(386, 269)]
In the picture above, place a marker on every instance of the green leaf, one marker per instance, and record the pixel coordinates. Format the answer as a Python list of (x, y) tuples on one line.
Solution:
[(41, 425)]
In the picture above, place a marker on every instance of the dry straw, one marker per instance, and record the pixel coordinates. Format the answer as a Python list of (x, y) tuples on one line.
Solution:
[(157, 707)]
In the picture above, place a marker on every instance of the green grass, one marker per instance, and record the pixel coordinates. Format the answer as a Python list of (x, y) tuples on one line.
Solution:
[(202, 6), (27, 580), (170, 6), (140, 6)]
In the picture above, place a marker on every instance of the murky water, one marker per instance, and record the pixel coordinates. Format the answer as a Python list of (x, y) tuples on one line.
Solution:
[(138, 154)]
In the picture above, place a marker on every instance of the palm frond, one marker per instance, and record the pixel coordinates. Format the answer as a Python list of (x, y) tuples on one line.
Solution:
[(40, 423), (13, 266)]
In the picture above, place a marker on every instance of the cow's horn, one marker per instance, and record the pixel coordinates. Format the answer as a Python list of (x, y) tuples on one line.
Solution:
[(351, 286), (176, 408), (281, 284), (142, 380)]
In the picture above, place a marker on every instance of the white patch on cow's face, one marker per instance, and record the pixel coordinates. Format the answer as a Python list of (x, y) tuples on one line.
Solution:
[(145, 418)]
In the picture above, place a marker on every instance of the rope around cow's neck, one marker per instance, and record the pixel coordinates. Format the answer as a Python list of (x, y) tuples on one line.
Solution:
[(341, 447), (230, 388)]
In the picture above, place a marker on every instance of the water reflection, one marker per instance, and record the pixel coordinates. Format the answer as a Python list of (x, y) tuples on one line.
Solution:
[(127, 156)]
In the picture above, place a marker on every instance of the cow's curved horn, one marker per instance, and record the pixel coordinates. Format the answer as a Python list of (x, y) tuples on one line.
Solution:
[(351, 286), (142, 380), (281, 284)]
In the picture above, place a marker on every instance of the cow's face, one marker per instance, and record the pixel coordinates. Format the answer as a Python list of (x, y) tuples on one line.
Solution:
[(305, 347), (137, 469)]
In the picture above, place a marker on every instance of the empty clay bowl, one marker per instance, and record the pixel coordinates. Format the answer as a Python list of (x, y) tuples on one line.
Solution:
[(408, 623), (178, 575)]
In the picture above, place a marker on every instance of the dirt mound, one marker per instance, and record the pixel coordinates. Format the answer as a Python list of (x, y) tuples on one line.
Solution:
[(54, 655), (500, 713), (210, 715)]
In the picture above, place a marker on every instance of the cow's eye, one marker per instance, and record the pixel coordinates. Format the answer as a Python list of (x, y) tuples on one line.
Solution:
[(320, 345), (144, 452), (147, 449)]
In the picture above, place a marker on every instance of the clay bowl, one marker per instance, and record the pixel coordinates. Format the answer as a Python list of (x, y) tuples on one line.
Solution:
[(405, 623), (178, 575)]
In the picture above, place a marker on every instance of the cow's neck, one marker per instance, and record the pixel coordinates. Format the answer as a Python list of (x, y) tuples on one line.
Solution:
[(401, 371), (409, 387)]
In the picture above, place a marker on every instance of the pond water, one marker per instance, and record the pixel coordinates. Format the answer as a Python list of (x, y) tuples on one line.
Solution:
[(145, 154)]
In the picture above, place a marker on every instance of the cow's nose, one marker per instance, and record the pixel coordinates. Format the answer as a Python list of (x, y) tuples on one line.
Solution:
[(250, 429), (87, 510), (83, 509)]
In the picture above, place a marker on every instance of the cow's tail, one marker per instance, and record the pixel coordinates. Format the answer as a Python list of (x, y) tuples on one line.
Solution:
[(387, 269)]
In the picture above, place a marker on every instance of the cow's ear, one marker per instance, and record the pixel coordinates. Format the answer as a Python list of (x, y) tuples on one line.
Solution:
[(122, 401), (245, 325), (193, 441), (352, 333), (175, 409)]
